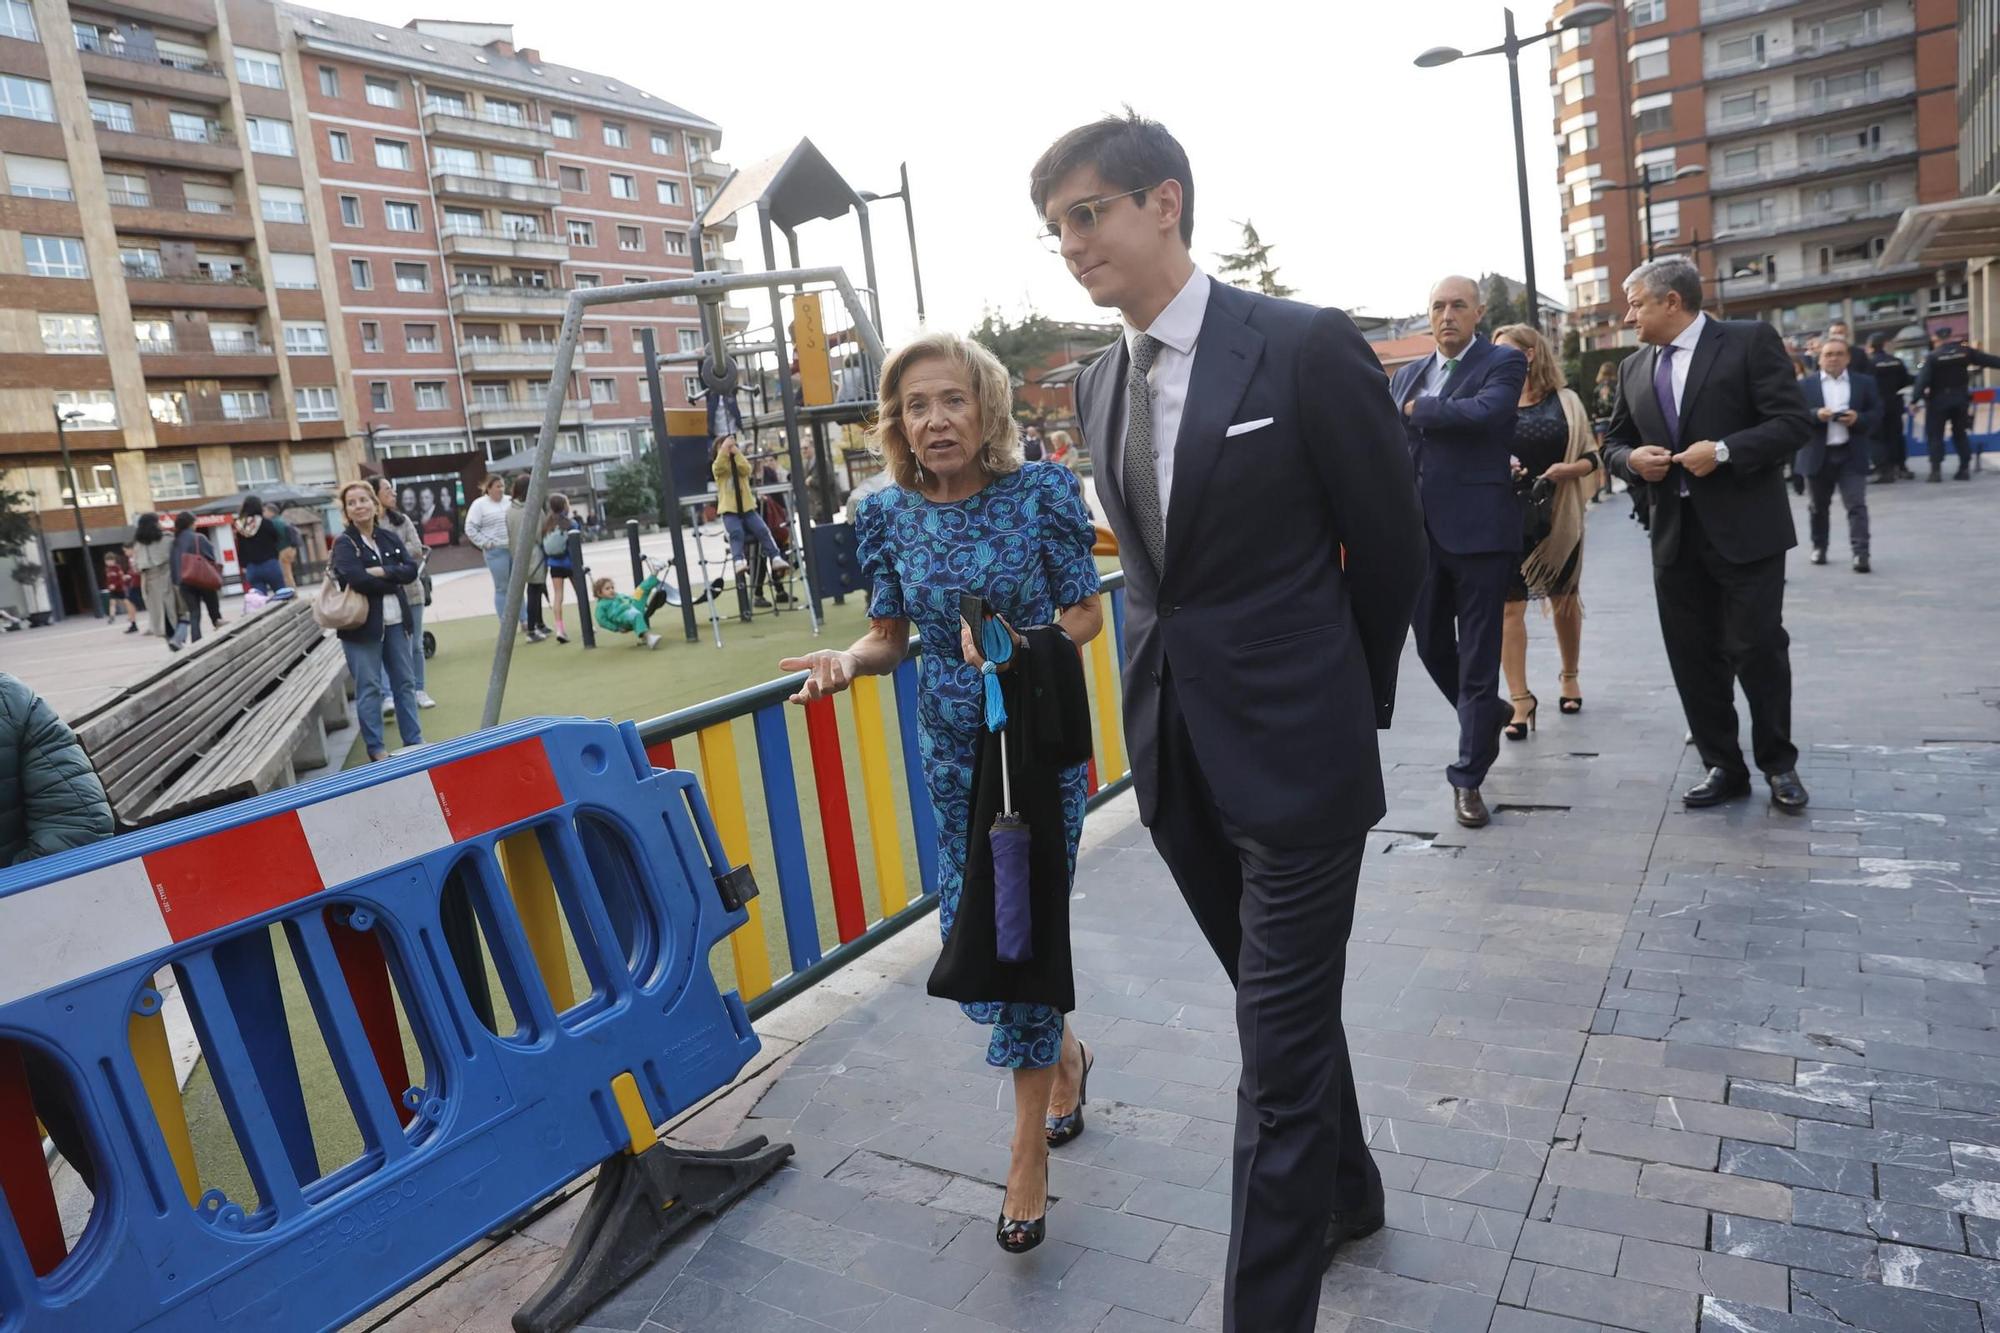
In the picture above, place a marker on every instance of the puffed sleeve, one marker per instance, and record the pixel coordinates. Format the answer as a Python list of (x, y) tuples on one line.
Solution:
[(1068, 533), (871, 545)]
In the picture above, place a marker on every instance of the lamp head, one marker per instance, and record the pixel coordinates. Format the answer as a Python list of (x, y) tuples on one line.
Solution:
[(1438, 55), (1586, 16), (1692, 169)]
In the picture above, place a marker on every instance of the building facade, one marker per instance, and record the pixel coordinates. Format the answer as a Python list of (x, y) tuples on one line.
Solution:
[(244, 243), (1814, 124)]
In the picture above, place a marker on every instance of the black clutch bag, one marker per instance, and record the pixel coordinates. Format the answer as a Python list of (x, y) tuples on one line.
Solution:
[(1538, 509)]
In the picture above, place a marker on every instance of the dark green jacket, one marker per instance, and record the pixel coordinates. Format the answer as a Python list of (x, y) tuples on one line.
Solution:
[(50, 798)]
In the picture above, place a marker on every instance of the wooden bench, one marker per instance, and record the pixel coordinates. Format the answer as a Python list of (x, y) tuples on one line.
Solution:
[(242, 712)]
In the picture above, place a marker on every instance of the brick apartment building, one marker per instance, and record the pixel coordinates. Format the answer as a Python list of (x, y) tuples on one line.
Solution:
[(1816, 122), (248, 243)]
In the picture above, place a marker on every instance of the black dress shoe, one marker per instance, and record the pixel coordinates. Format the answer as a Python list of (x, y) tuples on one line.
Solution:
[(1819, 555), (1963, 474), (1787, 792), (1018, 1235), (1062, 1128), (1935, 475), (1861, 565), (1468, 806), (1720, 785), (1341, 1228)]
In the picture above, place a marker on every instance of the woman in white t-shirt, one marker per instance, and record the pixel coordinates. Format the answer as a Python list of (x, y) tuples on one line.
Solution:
[(372, 561), (486, 528)]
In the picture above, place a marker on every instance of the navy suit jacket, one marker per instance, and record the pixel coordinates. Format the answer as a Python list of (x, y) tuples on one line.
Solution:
[(1864, 398), (1294, 550), (1461, 441)]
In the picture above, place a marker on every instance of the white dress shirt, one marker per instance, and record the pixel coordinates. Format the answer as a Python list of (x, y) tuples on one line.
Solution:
[(1434, 373), (1838, 395), (1177, 329), (1684, 347)]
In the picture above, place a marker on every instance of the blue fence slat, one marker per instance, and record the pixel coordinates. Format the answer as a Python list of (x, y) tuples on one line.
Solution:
[(1118, 623), (248, 968), (788, 836), (923, 820), (229, 1057), (347, 1042)]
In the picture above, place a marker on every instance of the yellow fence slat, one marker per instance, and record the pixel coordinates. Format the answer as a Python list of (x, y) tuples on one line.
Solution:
[(884, 833), (1110, 728), (722, 783), (534, 893), (632, 1106), (148, 1035)]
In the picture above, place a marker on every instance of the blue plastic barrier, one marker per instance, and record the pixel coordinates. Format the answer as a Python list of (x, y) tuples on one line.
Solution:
[(503, 1121)]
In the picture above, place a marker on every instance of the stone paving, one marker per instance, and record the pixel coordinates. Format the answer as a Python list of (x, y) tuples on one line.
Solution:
[(1624, 1065)]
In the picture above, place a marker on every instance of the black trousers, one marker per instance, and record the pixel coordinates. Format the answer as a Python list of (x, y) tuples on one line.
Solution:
[(1954, 409), (1278, 918), (1724, 623), (537, 592), (1850, 477), (1461, 612), (1891, 450)]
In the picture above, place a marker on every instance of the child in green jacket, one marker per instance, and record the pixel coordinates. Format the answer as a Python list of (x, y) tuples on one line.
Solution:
[(619, 614)]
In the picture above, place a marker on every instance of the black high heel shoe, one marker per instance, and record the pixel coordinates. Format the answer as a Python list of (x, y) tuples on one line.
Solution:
[(1063, 1128), (1019, 1235), (1569, 703), (1518, 731)]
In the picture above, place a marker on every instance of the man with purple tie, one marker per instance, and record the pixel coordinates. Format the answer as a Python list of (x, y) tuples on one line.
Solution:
[(1706, 417)]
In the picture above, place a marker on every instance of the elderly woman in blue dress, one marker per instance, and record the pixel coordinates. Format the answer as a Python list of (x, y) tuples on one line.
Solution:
[(967, 516)]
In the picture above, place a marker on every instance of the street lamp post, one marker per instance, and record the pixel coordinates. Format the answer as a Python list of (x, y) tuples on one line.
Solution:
[(1644, 185), (910, 226), (1583, 16), (76, 504)]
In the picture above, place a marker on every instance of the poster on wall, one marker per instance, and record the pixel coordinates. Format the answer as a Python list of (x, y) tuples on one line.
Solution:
[(434, 504)]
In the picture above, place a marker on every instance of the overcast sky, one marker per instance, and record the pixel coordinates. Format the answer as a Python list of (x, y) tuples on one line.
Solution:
[(1369, 175)]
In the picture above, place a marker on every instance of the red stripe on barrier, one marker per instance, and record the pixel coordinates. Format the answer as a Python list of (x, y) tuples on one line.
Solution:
[(1093, 776), (483, 792), (24, 1178), (229, 876), (662, 754), (366, 971), (836, 822)]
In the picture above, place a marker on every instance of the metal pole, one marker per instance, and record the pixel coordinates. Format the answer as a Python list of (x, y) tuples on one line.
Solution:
[(789, 401), (1646, 208), (1521, 175), (632, 543), (669, 493), (76, 510), (910, 225)]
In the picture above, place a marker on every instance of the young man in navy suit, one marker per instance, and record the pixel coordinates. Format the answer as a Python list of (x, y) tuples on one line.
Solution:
[(1459, 405), (1846, 411), (1249, 459)]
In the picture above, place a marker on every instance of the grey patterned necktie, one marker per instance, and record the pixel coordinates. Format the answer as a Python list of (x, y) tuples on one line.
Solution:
[(1142, 474)]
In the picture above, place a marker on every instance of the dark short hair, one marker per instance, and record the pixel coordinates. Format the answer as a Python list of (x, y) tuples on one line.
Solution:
[(1129, 152), (253, 507), (1878, 342)]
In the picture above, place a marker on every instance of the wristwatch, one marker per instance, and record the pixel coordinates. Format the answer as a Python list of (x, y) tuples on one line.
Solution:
[(1722, 451)]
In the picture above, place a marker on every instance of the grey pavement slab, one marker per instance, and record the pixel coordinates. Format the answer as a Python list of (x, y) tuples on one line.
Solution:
[(1625, 1065)]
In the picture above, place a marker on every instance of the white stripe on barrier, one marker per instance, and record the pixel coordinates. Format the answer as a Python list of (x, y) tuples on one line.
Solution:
[(367, 831), (62, 932)]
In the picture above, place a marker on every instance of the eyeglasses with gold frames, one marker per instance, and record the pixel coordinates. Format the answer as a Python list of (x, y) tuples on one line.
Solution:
[(1082, 218)]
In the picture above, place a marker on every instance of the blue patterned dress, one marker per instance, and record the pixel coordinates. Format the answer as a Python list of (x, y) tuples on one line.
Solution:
[(1023, 545)]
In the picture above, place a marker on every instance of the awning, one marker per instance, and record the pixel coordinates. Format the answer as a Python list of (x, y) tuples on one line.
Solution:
[(1948, 232)]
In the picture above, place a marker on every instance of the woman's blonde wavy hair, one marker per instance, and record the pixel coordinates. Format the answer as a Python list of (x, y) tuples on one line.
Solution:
[(1000, 443)]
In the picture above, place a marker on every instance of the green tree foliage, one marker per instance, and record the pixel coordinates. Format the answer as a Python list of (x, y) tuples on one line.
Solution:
[(1501, 307), (1021, 345), (1251, 267), (16, 519), (629, 491)]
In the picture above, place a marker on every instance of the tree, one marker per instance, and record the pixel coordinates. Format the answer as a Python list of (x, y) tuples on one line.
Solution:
[(1501, 307), (17, 527), (1022, 346), (629, 492), (1251, 267)]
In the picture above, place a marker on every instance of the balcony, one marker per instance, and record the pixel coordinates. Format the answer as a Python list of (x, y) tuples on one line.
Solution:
[(1808, 108), (183, 418), (144, 215), (720, 264), (214, 148), (497, 189), (1718, 11), (493, 356), (1791, 221), (1752, 286), (151, 285), (498, 131), (489, 243), (200, 358), (116, 65), (471, 300), (1824, 164), (521, 416), (707, 170), (1886, 32), (190, 15)]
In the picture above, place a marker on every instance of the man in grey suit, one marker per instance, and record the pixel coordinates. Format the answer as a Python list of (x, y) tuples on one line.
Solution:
[(1252, 463)]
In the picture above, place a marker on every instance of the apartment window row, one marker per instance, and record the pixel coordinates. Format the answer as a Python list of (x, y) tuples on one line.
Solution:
[(54, 256), (72, 335), (95, 409), (408, 277), (568, 125), (427, 395), (619, 184), (262, 68), (37, 177)]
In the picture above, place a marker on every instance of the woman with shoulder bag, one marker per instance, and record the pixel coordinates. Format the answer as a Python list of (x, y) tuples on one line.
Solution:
[(392, 517), (370, 560), (193, 555), (153, 557), (557, 525)]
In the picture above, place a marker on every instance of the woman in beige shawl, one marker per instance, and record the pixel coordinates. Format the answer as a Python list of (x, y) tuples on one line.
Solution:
[(1552, 440)]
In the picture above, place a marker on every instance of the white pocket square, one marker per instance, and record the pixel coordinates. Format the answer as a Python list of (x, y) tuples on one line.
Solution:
[(1245, 427)]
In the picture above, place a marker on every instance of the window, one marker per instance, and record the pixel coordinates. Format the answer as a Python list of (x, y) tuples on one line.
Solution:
[(1745, 106), (259, 67), (690, 388), (378, 396), (38, 177), (305, 338), (582, 232), (444, 101), (505, 113), (71, 335), (99, 481), (1743, 161), (508, 166), (257, 469), (1860, 83), (371, 335), (614, 136), (281, 203), (520, 224), (413, 277), (702, 194), (455, 161), (604, 391), (596, 339), (1586, 237), (663, 142), (111, 115), (668, 192), (400, 215), (420, 337), (1652, 115), (17, 20), (584, 280), (624, 187), (1745, 50), (27, 99), (315, 404), (174, 481), (1580, 82), (139, 262), (339, 147), (1642, 12), (430, 396), (190, 128), (313, 467), (55, 256), (270, 136), (1657, 165), (1665, 220), (360, 275), (630, 238), (1582, 139), (673, 242), (1649, 60), (691, 340), (392, 155), (99, 408), (329, 81), (295, 271), (573, 179), (636, 282), (201, 197), (350, 210), (492, 393), (563, 125), (383, 92), (1748, 214)]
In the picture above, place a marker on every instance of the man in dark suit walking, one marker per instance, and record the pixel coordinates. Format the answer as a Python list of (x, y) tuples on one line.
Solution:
[(1706, 417), (1846, 411), (1249, 459), (1459, 405), (1891, 378), (1945, 385)]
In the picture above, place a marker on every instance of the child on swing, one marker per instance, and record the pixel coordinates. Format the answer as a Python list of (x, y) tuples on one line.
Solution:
[(619, 614)]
